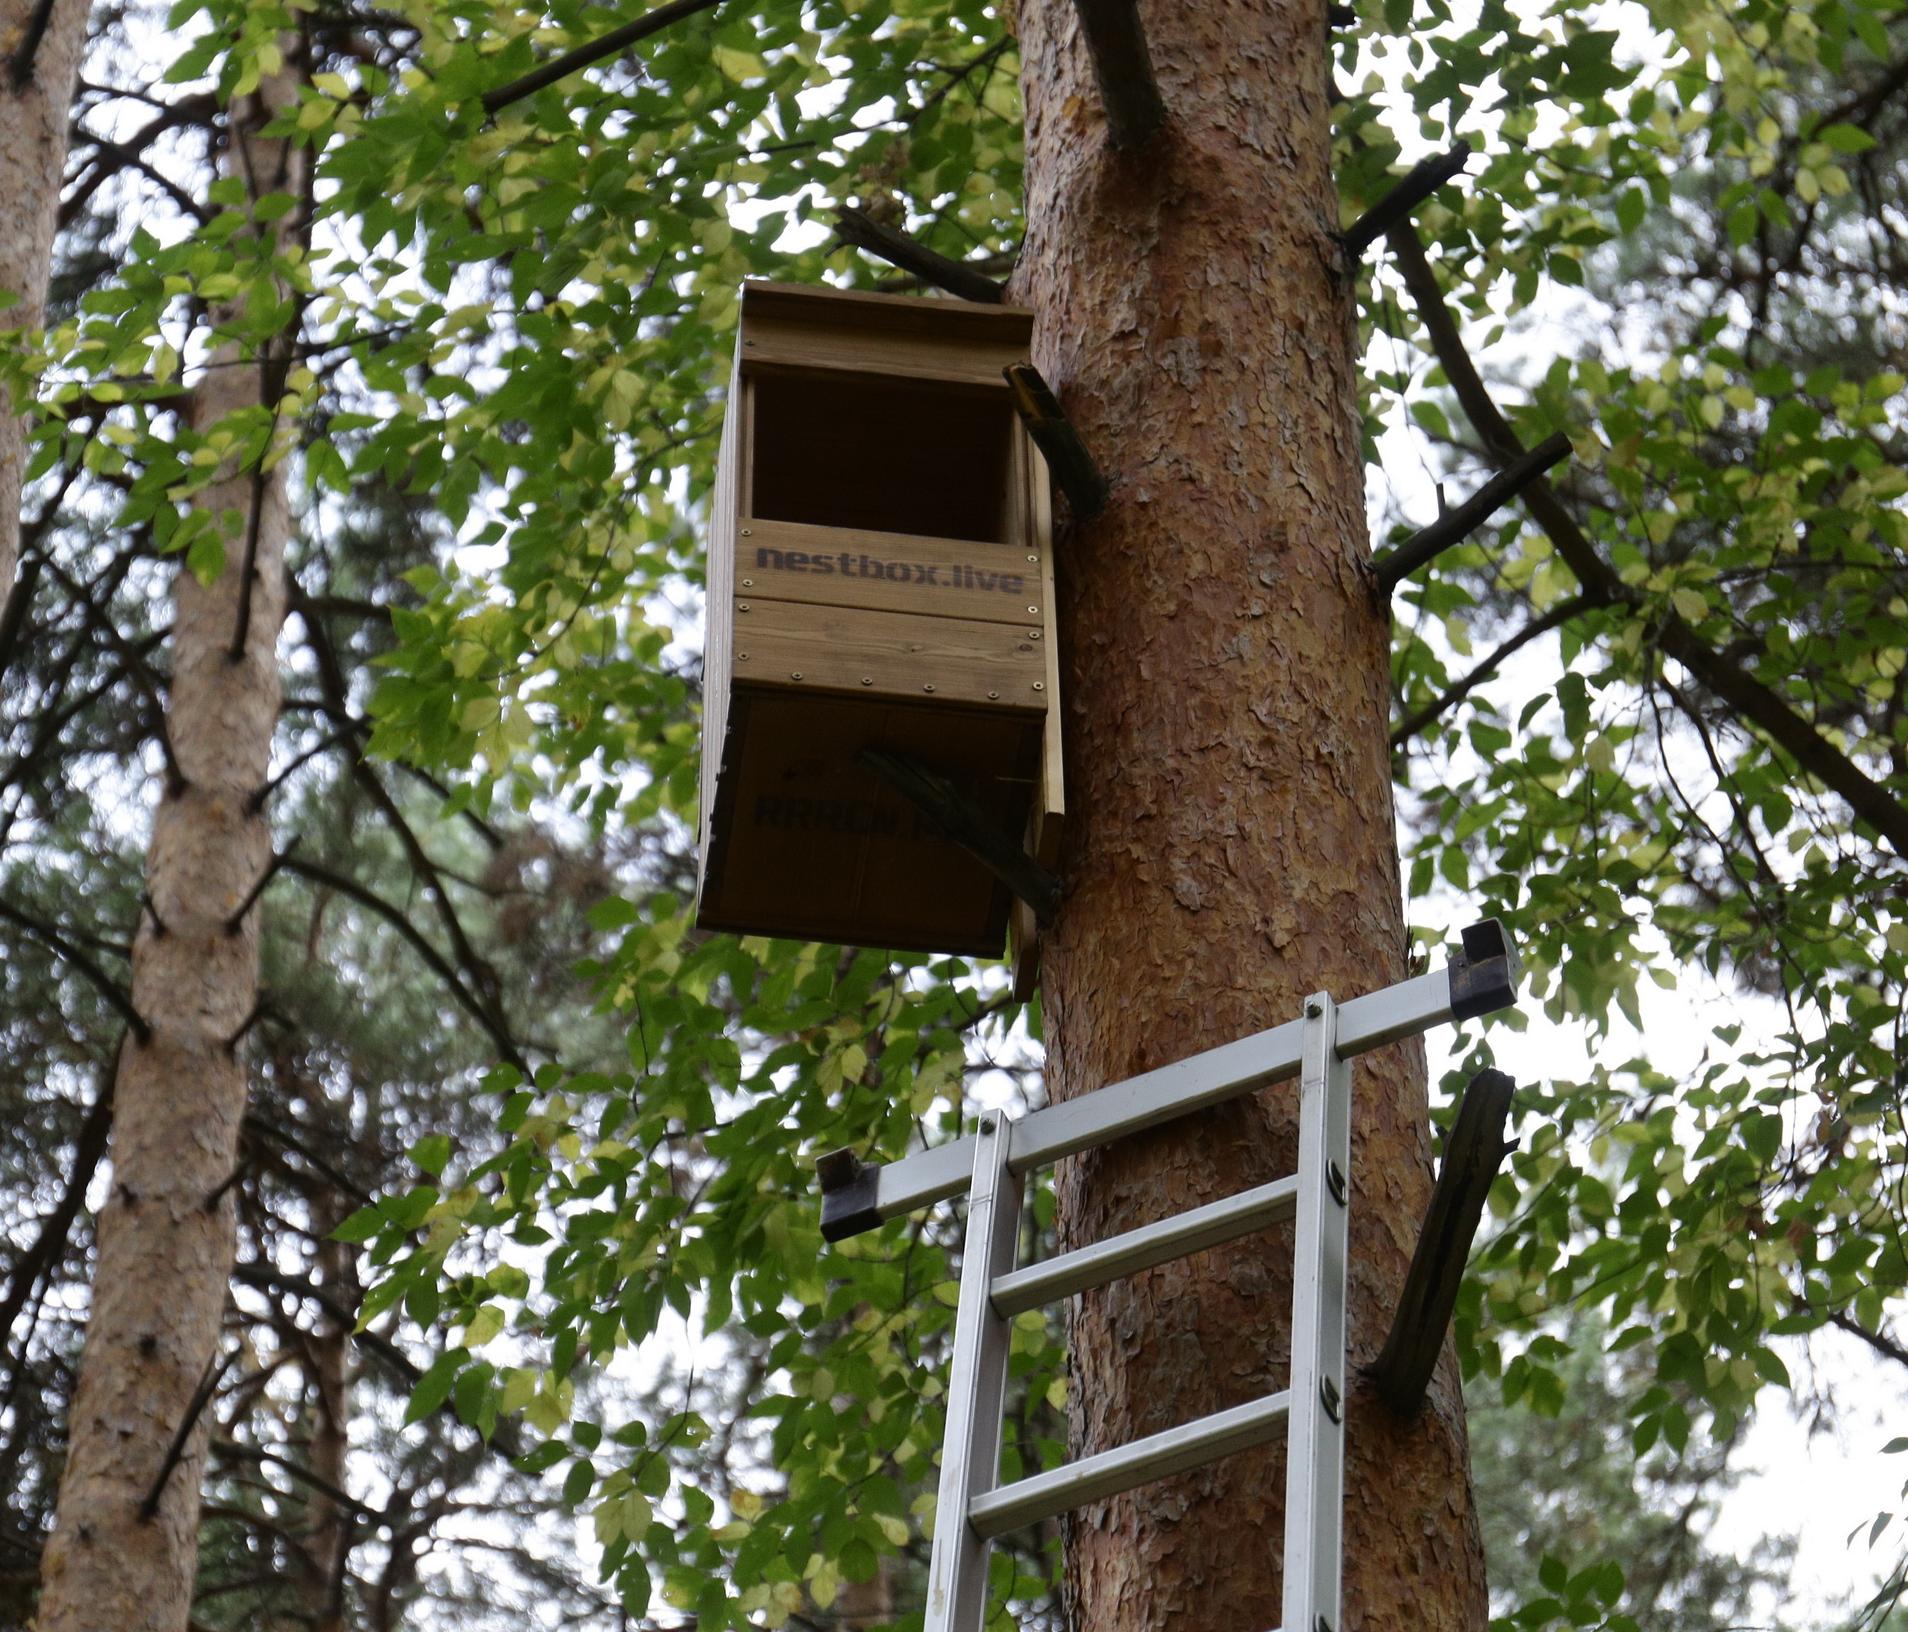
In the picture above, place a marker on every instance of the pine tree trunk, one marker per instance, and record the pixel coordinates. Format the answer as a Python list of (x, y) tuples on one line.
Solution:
[(1233, 850), (35, 113), (165, 1256), (327, 1524)]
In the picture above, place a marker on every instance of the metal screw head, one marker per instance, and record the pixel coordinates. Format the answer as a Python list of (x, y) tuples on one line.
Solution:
[(993, 696), (1313, 1007), (987, 1124), (1040, 685), (867, 679), (1033, 611), (741, 657), (1033, 634), (927, 688), (748, 583), (745, 532), (1033, 558), (796, 675), (741, 606)]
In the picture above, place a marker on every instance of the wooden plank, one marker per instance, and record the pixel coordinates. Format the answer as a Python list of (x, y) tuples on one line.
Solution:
[(822, 305), (818, 847), (1050, 805), (919, 352), (893, 572), (891, 655)]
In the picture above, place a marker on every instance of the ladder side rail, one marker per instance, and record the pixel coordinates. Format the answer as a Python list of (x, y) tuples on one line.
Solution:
[(977, 1388), (1315, 1441), (1126, 1254), (1125, 1467), (878, 1193)]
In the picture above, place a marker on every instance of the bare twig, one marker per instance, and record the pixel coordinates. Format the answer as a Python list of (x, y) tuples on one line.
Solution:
[(1418, 184), (1454, 526), (20, 64), (1458, 690), (1075, 469), (215, 1370), (47, 935), (618, 39), (898, 249), (1123, 69)]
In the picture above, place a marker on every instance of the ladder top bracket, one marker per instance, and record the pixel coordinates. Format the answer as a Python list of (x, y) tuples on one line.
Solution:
[(848, 1188), (1485, 973)]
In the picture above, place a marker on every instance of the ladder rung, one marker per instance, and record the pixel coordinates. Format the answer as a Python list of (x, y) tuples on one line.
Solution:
[(1154, 1457), (1140, 1249)]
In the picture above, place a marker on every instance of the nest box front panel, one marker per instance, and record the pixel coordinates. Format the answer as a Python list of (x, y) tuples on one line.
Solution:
[(879, 578)]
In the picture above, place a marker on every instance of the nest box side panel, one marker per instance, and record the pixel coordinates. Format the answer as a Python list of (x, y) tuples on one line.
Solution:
[(719, 603), (818, 847)]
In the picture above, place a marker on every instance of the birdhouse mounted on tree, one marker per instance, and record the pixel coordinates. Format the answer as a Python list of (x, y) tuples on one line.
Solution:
[(879, 667)]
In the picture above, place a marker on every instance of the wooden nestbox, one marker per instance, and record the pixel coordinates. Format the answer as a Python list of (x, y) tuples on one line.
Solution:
[(880, 578)]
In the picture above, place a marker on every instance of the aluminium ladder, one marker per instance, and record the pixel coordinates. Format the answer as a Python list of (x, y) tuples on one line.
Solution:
[(973, 1508)]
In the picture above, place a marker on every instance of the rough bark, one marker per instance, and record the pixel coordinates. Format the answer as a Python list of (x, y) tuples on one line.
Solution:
[(165, 1258), (1226, 714), (35, 110)]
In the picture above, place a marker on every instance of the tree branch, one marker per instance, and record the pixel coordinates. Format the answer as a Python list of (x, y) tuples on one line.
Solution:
[(401, 922), (1123, 69), (1076, 470), (1454, 526), (618, 39), (89, 1149), (898, 249), (1418, 184), (48, 936), (1749, 697), (20, 64), (1560, 614)]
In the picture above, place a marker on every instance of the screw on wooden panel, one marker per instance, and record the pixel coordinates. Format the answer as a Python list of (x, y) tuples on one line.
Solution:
[(746, 533), (1033, 634), (748, 583), (1040, 685), (1033, 611), (927, 688), (741, 657), (1033, 558), (1335, 1182), (1328, 1395), (796, 675), (993, 696), (867, 679), (741, 606)]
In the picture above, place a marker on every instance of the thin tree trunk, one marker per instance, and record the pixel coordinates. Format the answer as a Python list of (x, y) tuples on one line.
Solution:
[(165, 1256), (327, 1528), (1226, 714), (37, 78)]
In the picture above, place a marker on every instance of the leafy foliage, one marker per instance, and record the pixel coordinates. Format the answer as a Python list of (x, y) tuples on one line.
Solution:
[(512, 336)]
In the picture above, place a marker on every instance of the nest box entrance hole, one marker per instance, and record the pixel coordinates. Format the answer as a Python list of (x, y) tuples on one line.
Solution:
[(882, 455)]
